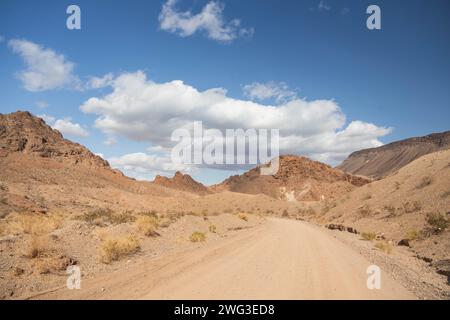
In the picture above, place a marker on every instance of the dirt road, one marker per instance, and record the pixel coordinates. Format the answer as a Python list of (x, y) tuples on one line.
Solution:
[(281, 259)]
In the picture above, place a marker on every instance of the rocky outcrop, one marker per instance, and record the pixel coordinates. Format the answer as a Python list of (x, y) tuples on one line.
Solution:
[(298, 179), (22, 132), (183, 182)]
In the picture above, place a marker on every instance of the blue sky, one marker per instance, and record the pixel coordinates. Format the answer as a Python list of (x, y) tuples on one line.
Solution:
[(319, 53)]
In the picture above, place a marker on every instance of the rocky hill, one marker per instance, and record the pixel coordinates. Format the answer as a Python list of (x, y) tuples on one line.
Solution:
[(382, 161), (21, 132), (298, 178), (183, 182), (412, 204)]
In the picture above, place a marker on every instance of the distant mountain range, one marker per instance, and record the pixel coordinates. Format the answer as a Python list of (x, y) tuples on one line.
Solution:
[(380, 162)]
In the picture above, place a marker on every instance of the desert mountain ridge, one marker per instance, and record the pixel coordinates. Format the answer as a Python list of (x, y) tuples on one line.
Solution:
[(382, 161), (298, 179), (183, 182)]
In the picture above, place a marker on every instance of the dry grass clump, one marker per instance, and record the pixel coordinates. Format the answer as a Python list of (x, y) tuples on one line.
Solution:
[(147, 225), (391, 210), (101, 217), (413, 206), (368, 236), (242, 216), (114, 248), (3, 187), (412, 235), (426, 181), (34, 224), (197, 237), (37, 247), (212, 228), (54, 264), (437, 223), (385, 247)]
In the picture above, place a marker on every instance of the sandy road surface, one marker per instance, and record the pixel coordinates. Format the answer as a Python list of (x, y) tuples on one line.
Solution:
[(281, 259)]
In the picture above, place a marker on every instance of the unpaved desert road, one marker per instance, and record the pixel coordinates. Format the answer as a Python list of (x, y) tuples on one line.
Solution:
[(280, 259)]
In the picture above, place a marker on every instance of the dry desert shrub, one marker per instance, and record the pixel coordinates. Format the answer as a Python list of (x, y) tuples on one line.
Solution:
[(35, 224), (147, 225), (391, 210), (385, 247), (368, 236), (437, 223), (412, 235), (37, 247), (197, 237), (3, 187), (114, 248), (212, 228), (285, 213), (103, 216), (364, 211), (413, 206), (243, 216), (426, 181)]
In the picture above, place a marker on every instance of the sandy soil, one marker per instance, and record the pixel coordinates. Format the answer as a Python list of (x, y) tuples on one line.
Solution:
[(280, 259)]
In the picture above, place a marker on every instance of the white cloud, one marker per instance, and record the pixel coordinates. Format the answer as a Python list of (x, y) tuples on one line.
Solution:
[(323, 6), (210, 20), (263, 91), (65, 126), (140, 165), (100, 82), (48, 119), (143, 110), (45, 69)]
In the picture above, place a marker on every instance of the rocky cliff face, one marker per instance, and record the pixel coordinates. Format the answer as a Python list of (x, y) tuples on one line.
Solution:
[(380, 162)]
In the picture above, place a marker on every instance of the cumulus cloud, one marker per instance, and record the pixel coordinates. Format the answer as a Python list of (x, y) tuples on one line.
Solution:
[(142, 110), (139, 165), (210, 20), (45, 69), (100, 82), (263, 91), (65, 126)]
